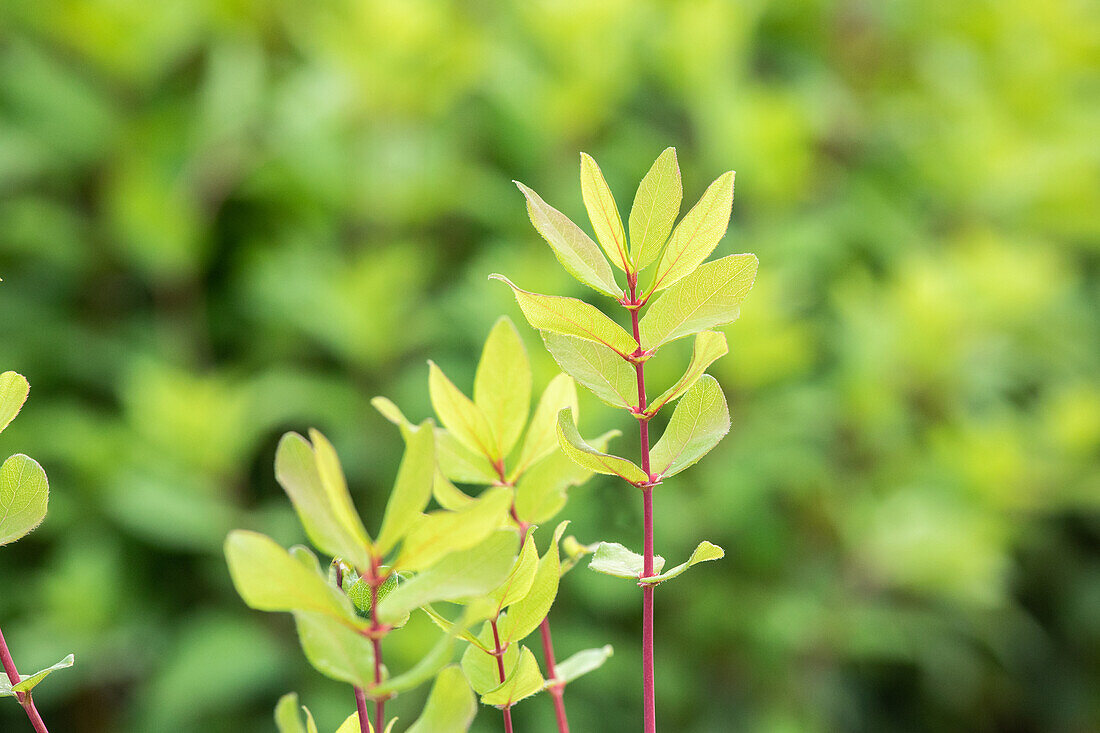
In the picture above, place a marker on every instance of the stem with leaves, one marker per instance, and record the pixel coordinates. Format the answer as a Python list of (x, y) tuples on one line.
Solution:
[(24, 698), (498, 652)]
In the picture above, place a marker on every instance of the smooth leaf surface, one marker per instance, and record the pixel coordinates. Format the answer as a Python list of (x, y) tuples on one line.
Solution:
[(575, 250), (580, 664), (704, 552), (587, 456), (457, 462), (447, 494), (525, 615), (480, 667), (700, 421), (708, 297), (427, 666), (443, 532), (595, 366), (24, 494), (411, 491), (28, 682), (463, 419), (542, 439), (502, 385), (335, 650), (656, 205), (603, 213), (288, 714), (541, 491), (13, 393), (611, 558), (524, 680), (571, 317), (697, 234), (518, 582), (451, 706), (709, 347)]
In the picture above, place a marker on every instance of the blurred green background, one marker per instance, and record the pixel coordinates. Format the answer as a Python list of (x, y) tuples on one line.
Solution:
[(223, 219)]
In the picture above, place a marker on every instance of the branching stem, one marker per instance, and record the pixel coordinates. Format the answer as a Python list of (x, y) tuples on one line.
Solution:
[(24, 698)]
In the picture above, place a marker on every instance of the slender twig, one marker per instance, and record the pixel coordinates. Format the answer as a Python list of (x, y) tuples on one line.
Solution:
[(361, 706), (499, 654), (376, 632), (556, 689), (24, 698)]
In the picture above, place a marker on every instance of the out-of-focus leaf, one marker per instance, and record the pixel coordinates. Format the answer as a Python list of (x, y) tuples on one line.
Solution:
[(656, 205), (457, 462), (451, 706), (580, 664), (24, 494), (709, 347), (412, 491), (288, 714), (603, 213), (525, 615), (574, 249), (703, 553), (701, 419), (447, 494), (13, 393), (462, 418), (428, 665), (27, 682), (443, 532), (541, 438), (600, 369), (697, 234), (580, 452), (708, 297), (541, 491), (524, 680), (574, 552), (335, 650), (611, 558), (502, 384), (571, 317), (518, 582)]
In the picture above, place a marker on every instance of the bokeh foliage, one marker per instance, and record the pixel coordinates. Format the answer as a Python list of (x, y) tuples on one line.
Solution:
[(223, 219)]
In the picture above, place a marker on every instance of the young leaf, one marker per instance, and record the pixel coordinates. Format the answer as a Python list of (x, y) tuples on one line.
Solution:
[(465, 574), (525, 615), (351, 725), (430, 664), (13, 393), (518, 582), (574, 552), (708, 297), (524, 680), (288, 717), (580, 664), (447, 494), (574, 249), (443, 532), (603, 213), (312, 478), (611, 558), (571, 317), (655, 208), (462, 418), (334, 650), (697, 234), (451, 706), (502, 385), (412, 491), (700, 420), (268, 578), (703, 553), (540, 491), (480, 667), (541, 439), (24, 493), (28, 682), (457, 462), (583, 454), (595, 366), (709, 347)]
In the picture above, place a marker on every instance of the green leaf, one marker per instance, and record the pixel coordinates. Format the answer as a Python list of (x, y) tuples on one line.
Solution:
[(603, 213), (443, 532), (571, 317), (335, 650), (447, 494), (574, 552), (13, 393), (480, 667), (268, 578), (502, 385), (436, 659), (412, 491), (703, 553), (288, 717), (708, 297), (580, 664), (457, 462), (524, 680), (655, 208), (542, 439), (24, 493), (518, 582), (580, 452), (709, 347), (601, 370), (611, 558), (463, 419), (574, 249), (311, 477), (451, 706), (359, 592), (351, 724), (466, 574), (700, 421), (697, 234), (541, 491), (525, 615), (27, 682)]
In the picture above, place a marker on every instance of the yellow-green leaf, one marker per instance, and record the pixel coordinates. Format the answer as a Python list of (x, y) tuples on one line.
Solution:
[(451, 706), (541, 439), (601, 370), (579, 664), (697, 234), (525, 615), (603, 213), (412, 491), (524, 680), (443, 532), (335, 650), (709, 347), (656, 205), (700, 421), (13, 393), (457, 462), (703, 553), (463, 419), (611, 558), (518, 582), (502, 385), (28, 682), (480, 667), (288, 714), (24, 494), (541, 490), (580, 452)]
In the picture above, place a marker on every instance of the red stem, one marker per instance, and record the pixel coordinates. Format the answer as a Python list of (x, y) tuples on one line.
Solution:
[(557, 691), (376, 640), (361, 706), (500, 670), (24, 698)]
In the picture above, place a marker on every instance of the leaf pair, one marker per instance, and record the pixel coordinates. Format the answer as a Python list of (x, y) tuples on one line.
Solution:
[(613, 559), (24, 489)]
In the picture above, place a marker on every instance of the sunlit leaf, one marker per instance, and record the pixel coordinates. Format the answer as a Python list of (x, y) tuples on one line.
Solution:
[(411, 491), (502, 385), (480, 667), (335, 650), (595, 366), (580, 664), (457, 462), (580, 452), (697, 234), (443, 532), (518, 582), (703, 553), (603, 213), (574, 249), (542, 439), (463, 419), (428, 665), (525, 615), (451, 706), (656, 205), (571, 317), (13, 393), (574, 552), (28, 682), (706, 298), (611, 558), (541, 491), (524, 680), (701, 419), (447, 494), (24, 494), (709, 347)]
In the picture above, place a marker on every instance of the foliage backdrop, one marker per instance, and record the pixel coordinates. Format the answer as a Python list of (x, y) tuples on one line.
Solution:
[(223, 219)]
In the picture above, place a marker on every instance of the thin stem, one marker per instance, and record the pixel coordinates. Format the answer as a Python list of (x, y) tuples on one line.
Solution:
[(361, 706), (376, 640), (503, 675), (557, 690), (24, 698)]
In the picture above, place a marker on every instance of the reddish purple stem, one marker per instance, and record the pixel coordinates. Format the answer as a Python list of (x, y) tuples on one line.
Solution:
[(24, 698)]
